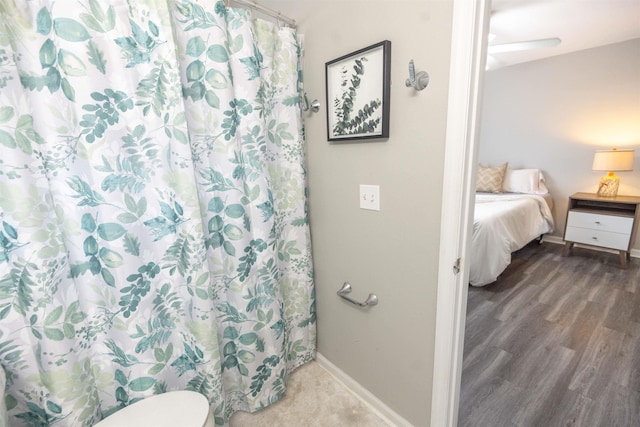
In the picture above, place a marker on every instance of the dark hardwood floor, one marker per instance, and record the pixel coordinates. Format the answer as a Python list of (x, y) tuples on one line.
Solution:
[(555, 341)]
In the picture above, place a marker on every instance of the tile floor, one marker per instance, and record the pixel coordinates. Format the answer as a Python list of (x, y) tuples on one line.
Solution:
[(314, 399)]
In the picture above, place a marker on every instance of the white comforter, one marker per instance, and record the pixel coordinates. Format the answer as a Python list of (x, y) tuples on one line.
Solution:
[(504, 223)]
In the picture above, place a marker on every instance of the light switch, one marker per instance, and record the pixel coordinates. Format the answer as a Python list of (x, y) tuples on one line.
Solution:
[(370, 197)]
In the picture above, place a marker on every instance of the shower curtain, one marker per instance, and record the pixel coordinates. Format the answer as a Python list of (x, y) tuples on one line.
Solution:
[(153, 218)]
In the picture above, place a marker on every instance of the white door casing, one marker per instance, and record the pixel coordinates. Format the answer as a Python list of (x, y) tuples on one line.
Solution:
[(468, 58)]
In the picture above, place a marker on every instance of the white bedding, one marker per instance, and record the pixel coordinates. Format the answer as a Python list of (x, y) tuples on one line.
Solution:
[(504, 223)]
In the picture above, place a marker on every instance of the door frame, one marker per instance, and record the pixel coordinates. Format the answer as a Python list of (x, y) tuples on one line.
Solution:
[(468, 58)]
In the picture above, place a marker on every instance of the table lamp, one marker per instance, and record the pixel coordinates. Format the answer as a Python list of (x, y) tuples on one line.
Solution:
[(611, 161)]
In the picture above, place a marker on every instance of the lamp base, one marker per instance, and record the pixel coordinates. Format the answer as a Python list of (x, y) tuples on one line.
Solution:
[(608, 186)]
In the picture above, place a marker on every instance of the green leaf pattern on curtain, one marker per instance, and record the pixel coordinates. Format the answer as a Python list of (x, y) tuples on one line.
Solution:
[(153, 220)]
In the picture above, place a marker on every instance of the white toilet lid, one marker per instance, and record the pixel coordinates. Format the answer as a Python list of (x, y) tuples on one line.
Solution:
[(171, 409)]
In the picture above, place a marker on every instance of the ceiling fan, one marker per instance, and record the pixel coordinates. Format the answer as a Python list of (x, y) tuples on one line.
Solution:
[(492, 49), (525, 45)]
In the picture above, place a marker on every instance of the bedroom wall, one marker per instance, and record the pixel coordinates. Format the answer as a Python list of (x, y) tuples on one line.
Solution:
[(552, 114), (388, 349)]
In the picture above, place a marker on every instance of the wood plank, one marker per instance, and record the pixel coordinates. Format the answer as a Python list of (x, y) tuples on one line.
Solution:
[(578, 334), (494, 405), (482, 375), (545, 380), (619, 314), (598, 362), (571, 409), (615, 406), (628, 373)]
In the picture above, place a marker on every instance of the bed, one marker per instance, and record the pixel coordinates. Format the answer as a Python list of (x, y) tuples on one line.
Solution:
[(506, 221)]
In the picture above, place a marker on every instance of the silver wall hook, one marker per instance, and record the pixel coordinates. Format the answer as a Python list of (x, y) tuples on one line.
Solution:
[(418, 80), (314, 107)]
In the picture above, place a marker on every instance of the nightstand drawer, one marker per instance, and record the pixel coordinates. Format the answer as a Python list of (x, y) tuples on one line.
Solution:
[(605, 239), (593, 221)]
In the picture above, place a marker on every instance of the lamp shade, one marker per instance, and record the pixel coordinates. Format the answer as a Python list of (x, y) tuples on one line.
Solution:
[(613, 160)]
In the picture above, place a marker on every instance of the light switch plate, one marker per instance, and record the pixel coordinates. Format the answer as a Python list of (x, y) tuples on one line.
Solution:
[(370, 197)]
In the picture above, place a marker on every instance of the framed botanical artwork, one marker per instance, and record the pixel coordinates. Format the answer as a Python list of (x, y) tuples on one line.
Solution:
[(358, 89)]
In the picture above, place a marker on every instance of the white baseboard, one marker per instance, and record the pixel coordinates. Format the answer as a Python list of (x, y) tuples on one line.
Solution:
[(387, 414), (635, 253), (553, 239)]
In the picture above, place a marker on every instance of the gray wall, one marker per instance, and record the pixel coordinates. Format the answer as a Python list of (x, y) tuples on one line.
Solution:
[(393, 253), (552, 114)]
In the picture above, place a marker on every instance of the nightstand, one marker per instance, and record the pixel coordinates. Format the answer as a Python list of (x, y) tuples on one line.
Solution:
[(606, 222)]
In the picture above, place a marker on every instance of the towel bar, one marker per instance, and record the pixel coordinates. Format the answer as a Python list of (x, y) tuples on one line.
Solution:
[(346, 289)]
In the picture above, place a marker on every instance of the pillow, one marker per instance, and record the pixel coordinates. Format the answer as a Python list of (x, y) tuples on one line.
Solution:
[(489, 179), (529, 181)]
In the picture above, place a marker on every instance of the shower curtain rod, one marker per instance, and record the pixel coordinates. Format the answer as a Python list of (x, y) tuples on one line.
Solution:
[(252, 4)]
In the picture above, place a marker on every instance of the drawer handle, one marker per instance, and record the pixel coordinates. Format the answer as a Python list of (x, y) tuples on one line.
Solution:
[(598, 222), (594, 238)]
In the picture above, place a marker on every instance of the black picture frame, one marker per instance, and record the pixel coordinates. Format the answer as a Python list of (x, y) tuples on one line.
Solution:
[(358, 94)]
